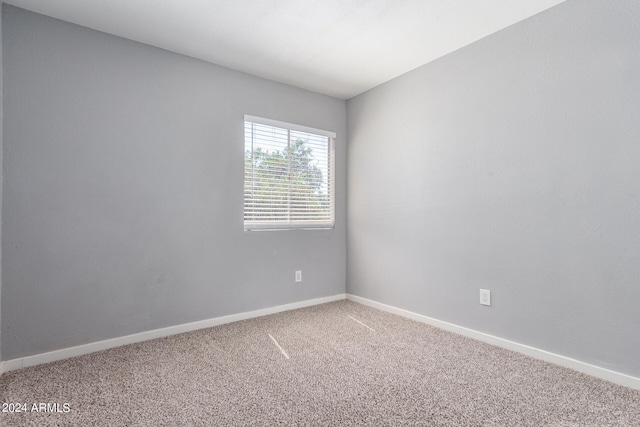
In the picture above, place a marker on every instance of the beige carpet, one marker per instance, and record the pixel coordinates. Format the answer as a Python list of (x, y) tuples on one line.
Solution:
[(336, 364)]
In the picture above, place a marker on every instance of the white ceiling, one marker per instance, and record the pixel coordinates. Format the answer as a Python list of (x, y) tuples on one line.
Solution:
[(336, 47)]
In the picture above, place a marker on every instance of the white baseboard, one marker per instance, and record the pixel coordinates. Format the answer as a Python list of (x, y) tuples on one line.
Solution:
[(65, 353), (586, 368)]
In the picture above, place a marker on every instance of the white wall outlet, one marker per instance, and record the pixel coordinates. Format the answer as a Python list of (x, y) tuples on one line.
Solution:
[(298, 276), (485, 297)]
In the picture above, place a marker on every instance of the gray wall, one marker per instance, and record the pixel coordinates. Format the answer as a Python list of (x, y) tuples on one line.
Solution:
[(1, 133), (512, 164), (123, 191)]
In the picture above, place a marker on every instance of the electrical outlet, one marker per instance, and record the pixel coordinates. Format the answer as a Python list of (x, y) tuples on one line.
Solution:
[(298, 276), (485, 297)]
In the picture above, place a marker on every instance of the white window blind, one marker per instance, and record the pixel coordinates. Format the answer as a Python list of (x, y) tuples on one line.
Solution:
[(288, 175)]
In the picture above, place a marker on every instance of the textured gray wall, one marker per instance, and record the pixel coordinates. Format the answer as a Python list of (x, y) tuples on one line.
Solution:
[(512, 164), (123, 190)]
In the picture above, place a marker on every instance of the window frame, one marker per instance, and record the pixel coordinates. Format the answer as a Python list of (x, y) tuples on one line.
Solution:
[(294, 224)]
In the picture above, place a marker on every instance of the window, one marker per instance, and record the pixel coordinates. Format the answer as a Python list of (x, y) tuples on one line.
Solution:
[(288, 176)]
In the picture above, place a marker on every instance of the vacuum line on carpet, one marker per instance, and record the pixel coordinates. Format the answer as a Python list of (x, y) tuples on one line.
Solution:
[(278, 345), (353, 318)]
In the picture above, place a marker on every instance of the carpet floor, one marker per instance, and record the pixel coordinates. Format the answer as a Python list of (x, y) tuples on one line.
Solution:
[(338, 364)]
